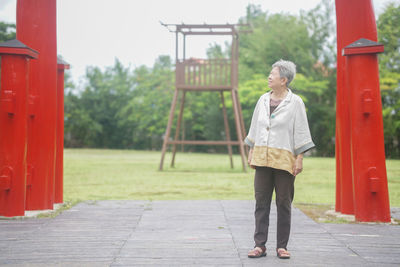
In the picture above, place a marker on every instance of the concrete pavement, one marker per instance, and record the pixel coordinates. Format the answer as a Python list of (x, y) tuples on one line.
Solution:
[(186, 233)]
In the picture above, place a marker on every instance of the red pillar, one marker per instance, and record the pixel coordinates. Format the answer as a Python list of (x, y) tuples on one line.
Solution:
[(354, 19), (58, 193), (367, 142), (36, 27), (13, 124)]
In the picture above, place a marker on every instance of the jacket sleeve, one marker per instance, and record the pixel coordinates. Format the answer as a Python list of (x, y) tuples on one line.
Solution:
[(251, 137), (302, 135)]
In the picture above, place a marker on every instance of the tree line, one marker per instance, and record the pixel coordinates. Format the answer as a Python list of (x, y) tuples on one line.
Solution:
[(126, 108)]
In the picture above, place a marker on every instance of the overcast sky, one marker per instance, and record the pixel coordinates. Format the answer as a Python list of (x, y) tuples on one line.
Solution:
[(95, 32)]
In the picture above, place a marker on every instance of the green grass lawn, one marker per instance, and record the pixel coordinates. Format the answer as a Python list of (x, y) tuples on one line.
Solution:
[(97, 174)]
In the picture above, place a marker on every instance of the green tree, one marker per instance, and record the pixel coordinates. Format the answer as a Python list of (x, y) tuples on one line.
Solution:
[(146, 112), (92, 114), (7, 31), (79, 128), (104, 96), (388, 25), (274, 37), (321, 27)]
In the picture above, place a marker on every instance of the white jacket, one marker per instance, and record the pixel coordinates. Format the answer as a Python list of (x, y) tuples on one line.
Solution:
[(279, 137)]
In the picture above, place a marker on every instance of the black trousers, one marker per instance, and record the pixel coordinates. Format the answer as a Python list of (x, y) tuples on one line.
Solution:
[(265, 181)]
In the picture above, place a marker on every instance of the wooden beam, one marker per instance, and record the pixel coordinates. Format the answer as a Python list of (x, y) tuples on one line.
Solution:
[(168, 130), (203, 87), (202, 142), (178, 127), (227, 132)]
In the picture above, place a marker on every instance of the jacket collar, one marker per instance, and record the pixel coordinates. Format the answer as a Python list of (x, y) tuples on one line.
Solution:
[(284, 102)]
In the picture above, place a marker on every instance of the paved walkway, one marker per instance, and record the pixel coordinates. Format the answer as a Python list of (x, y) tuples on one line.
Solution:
[(186, 233)]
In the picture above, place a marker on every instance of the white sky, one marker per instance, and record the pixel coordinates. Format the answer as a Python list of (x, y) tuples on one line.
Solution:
[(95, 32)]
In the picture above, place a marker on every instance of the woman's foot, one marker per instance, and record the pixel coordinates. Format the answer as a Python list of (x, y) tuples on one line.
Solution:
[(257, 252), (282, 253)]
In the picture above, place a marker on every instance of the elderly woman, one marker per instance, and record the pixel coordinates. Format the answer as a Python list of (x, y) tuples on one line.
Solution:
[(278, 137)]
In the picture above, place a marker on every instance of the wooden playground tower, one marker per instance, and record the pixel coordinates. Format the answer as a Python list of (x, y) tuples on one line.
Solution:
[(199, 75)]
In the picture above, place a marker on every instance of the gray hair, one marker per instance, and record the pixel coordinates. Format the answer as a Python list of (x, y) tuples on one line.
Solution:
[(287, 69)]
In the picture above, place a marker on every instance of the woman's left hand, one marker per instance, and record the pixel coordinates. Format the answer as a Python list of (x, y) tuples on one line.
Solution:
[(298, 165)]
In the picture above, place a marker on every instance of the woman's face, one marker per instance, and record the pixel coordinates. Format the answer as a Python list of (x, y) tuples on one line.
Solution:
[(274, 79)]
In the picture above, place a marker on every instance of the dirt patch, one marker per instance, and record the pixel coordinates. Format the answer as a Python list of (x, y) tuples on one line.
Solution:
[(325, 213)]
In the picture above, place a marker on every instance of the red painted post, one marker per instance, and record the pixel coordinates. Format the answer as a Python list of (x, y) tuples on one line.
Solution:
[(367, 142), (36, 27), (59, 180), (13, 124), (354, 20)]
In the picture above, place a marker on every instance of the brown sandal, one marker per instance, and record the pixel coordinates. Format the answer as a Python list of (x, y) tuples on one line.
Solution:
[(257, 252), (282, 253)]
